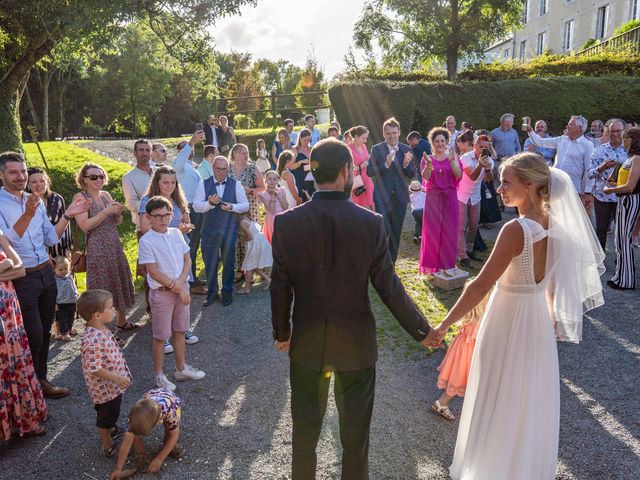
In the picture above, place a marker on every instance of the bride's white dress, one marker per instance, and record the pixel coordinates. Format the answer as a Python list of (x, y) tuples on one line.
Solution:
[(510, 419)]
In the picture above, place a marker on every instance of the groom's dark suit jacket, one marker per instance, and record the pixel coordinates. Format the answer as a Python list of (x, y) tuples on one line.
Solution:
[(324, 253)]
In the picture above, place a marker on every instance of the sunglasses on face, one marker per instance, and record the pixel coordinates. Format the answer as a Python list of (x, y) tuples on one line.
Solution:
[(161, 216), (93, 178)]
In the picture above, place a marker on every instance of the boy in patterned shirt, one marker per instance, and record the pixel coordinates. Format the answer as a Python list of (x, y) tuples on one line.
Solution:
[(156, 407), (103, 365)]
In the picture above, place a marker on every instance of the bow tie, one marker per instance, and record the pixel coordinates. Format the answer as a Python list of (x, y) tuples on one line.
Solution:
[(220, 183)]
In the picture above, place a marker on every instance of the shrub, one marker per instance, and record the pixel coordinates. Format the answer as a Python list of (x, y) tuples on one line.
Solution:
[(421, 105), (243, 121), (626, 27)]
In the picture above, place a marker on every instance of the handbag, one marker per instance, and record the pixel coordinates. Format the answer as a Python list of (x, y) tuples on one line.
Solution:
[(358, 187), (78, 258)]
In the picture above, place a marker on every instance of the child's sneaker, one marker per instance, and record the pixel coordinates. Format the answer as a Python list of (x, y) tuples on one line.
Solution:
[(190, 338), (168, 348), (189, 373), (163, 382)]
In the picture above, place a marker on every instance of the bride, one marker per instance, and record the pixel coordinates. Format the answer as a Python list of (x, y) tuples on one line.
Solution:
[(547, 265)]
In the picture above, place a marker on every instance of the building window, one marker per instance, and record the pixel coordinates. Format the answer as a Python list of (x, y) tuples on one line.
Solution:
[(544, 6), (505, 54), (567, 42), (602, 19), (523, 50), (541, 45), (635, 9), (525, 12)]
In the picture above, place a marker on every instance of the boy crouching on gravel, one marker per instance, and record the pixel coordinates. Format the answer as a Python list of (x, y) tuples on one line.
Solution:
[(103, 365), (165, 254), (156, 407)]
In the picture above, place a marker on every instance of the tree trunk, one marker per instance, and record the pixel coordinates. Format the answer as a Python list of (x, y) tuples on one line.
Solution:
[(453, 45), (31, 108), (452, 64), (60, 100), (10, 132), (134, 114), (44, 133)]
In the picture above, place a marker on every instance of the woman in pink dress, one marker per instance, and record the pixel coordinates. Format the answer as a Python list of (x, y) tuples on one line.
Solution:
[(22, 406), (442, 172), (360, 154)]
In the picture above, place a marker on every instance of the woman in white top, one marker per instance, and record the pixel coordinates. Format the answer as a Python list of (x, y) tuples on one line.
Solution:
[(287, 180)]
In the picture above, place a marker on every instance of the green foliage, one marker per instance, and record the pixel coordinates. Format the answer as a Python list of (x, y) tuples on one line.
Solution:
[(626, 27), (589, 43), (411, 31), (422, 105), (547, 65), (243, 121), (311, 80)]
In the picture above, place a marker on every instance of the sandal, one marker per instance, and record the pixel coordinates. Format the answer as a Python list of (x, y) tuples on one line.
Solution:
[(117, 432), (120, 341), (244, 291), (266, 286), (441, 410), (110, 452), (128, 326)]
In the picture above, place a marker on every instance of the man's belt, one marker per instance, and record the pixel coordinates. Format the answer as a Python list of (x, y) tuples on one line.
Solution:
[(37, 268)]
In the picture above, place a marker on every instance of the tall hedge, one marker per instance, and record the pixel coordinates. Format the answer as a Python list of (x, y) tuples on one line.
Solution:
[(422, 105)]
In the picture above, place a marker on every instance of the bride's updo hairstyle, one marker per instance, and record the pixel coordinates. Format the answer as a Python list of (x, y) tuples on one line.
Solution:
[(531, 167)]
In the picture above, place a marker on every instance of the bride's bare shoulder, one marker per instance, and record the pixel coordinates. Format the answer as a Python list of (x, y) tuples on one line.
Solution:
[(511, 237)]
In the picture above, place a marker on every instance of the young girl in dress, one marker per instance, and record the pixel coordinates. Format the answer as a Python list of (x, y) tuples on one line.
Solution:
[(258, 256), (274, 199), (454, 369), (262, 161)]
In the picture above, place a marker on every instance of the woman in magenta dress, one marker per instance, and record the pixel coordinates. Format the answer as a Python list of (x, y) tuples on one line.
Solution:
[(360, 154), (22, 405), (441, 172)]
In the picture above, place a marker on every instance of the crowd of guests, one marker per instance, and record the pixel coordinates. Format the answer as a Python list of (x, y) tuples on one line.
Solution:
[(226, 206)]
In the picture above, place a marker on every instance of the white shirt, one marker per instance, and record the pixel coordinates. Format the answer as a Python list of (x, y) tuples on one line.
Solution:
[(572, 156), (134, 186), (468, 188), (201, 203), (214, 137), (166, 250), (417, 200), (188, 177)]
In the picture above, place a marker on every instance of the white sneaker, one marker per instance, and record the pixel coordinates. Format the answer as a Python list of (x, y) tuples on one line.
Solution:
[(168, 348), (163, 382), (189, 373), (190, 338)]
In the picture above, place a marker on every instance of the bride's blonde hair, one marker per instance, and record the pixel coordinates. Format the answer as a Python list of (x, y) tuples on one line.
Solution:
[(476, 313), (531, 167)]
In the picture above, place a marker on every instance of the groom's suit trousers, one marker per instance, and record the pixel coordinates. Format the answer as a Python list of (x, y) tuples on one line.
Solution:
[(354, 392)]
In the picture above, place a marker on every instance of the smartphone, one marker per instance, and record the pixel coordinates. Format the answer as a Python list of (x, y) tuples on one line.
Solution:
[(485, 153), (199, 127)]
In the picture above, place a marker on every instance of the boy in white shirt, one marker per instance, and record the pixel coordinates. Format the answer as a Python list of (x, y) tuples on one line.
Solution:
[(477, 166), (417, 198), (167, 258)]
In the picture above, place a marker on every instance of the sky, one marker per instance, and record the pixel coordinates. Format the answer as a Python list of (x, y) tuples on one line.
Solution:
[(276, 29)]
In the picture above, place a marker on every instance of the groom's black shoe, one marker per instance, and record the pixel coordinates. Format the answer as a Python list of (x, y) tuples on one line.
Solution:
[(472, 255), (615, 286), (227, 298)]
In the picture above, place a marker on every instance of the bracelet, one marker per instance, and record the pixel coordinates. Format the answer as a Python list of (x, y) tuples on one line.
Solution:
[(66, 217)]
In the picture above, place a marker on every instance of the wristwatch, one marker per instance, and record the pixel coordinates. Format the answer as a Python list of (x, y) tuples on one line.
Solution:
[(66, 217)]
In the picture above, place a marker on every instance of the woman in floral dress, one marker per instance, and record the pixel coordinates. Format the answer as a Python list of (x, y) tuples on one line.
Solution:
[(22, 405), (107, 266), (249, 176)]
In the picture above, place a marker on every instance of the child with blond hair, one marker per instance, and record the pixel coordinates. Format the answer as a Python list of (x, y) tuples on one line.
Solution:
[(104, 368), (65, 299), (454, 369)]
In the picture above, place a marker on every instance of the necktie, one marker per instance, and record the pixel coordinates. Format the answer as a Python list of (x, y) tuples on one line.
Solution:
[(220, 183)]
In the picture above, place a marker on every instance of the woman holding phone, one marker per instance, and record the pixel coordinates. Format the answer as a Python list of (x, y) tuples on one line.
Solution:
[(302, 165)]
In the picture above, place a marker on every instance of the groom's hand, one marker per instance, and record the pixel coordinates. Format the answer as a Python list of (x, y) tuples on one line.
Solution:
[(432, 340), (282, 346)]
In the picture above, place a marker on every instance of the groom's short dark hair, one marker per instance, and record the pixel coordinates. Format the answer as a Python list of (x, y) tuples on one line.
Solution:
[(328, 158)]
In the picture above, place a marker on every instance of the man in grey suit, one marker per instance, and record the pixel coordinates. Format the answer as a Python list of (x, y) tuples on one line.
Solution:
[(325, 252)]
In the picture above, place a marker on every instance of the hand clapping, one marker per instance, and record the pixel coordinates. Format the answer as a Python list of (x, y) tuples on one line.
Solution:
[(408, 158)]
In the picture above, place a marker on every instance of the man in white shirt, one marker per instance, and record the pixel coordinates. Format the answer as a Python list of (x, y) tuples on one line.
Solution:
[(450, 124), (288, 126), (477, 167), (136, 181), (573, 156), (220, 198)]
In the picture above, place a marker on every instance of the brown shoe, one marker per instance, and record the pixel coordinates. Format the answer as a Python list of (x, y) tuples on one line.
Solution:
[(51, 391)]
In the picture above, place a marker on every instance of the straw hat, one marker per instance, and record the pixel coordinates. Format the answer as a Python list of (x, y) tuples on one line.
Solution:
[(415, 186)]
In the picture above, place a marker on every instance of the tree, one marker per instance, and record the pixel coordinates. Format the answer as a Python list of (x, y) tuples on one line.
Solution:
[(311, 80), (411, 31), (29, 29)]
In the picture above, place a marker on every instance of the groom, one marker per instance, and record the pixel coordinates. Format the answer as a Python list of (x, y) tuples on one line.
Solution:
[(325, 252)]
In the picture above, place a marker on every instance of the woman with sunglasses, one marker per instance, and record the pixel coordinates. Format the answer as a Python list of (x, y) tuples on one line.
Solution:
[(107, 266)]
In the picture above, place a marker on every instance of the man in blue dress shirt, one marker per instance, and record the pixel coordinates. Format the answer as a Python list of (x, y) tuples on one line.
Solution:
[(420, 146), (24, 221)]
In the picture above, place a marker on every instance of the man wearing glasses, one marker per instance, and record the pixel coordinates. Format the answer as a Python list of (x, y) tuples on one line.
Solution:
[(158, 156), (220, 198)]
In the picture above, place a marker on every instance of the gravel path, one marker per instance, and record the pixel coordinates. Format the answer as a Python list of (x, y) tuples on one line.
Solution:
[(236, 422)]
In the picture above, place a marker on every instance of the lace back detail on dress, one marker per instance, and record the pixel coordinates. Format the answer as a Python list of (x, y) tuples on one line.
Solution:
[(520, 275)]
